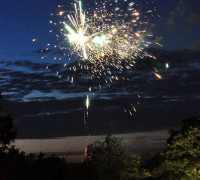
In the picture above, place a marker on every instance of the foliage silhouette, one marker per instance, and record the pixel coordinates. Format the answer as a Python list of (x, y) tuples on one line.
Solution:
[(107, 160), (7, 131), (181, 159), (110, 160)]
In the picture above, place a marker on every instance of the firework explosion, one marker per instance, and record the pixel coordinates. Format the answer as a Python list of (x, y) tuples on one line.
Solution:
[(102, 35), (107, 37)]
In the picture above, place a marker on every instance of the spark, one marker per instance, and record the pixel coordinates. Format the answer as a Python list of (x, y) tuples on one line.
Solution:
[(72, 80), (34, 40), (61, 13), (136, 14), (158, 44), (158, 75), (85, 152), (137, 34), (150, 11)]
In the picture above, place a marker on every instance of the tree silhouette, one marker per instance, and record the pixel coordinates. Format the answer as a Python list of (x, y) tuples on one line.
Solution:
[(7, 131), (182, 156), (110, 160)]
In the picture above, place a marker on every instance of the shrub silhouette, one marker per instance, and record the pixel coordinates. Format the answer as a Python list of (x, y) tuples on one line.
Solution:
[(7, 131)]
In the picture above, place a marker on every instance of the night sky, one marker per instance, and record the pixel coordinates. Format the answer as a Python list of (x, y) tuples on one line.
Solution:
[(45, 106)]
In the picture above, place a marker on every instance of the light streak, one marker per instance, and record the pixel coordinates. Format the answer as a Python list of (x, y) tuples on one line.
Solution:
[(158, 75), (87, 102), (158, 44)]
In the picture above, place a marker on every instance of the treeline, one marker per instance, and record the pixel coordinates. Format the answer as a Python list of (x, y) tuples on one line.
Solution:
[(107, 160)]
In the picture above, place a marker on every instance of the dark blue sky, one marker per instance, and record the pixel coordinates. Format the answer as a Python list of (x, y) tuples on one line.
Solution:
[(23, 20)]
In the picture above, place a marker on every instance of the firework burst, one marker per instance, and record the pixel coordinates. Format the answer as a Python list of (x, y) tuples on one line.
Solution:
[(106, 37)]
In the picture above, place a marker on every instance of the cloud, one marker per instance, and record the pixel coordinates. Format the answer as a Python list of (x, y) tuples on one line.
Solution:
[(195, 45), (184, 15), (44, 105), (193, 18)]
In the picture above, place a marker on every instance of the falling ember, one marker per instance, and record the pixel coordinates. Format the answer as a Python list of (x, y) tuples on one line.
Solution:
[(150, 11), (61, 13), (158, 75), (134, 109), (136, 14), (86, 145), (85, 122), (158, 44), (85, 152), (137, 34)]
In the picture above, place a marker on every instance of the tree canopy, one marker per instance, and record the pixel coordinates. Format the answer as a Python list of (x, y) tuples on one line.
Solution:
[(110, 160), (181, 159)]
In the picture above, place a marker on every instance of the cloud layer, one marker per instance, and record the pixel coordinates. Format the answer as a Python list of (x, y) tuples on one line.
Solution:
[(48, 105)]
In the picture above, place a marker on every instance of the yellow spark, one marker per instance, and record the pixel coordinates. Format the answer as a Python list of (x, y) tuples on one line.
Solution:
[(114, 30), (137, 34), (158, 44), (136, 14), (34, 40), (150, 11), (158, 75), (85, 151), (61, 13)]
